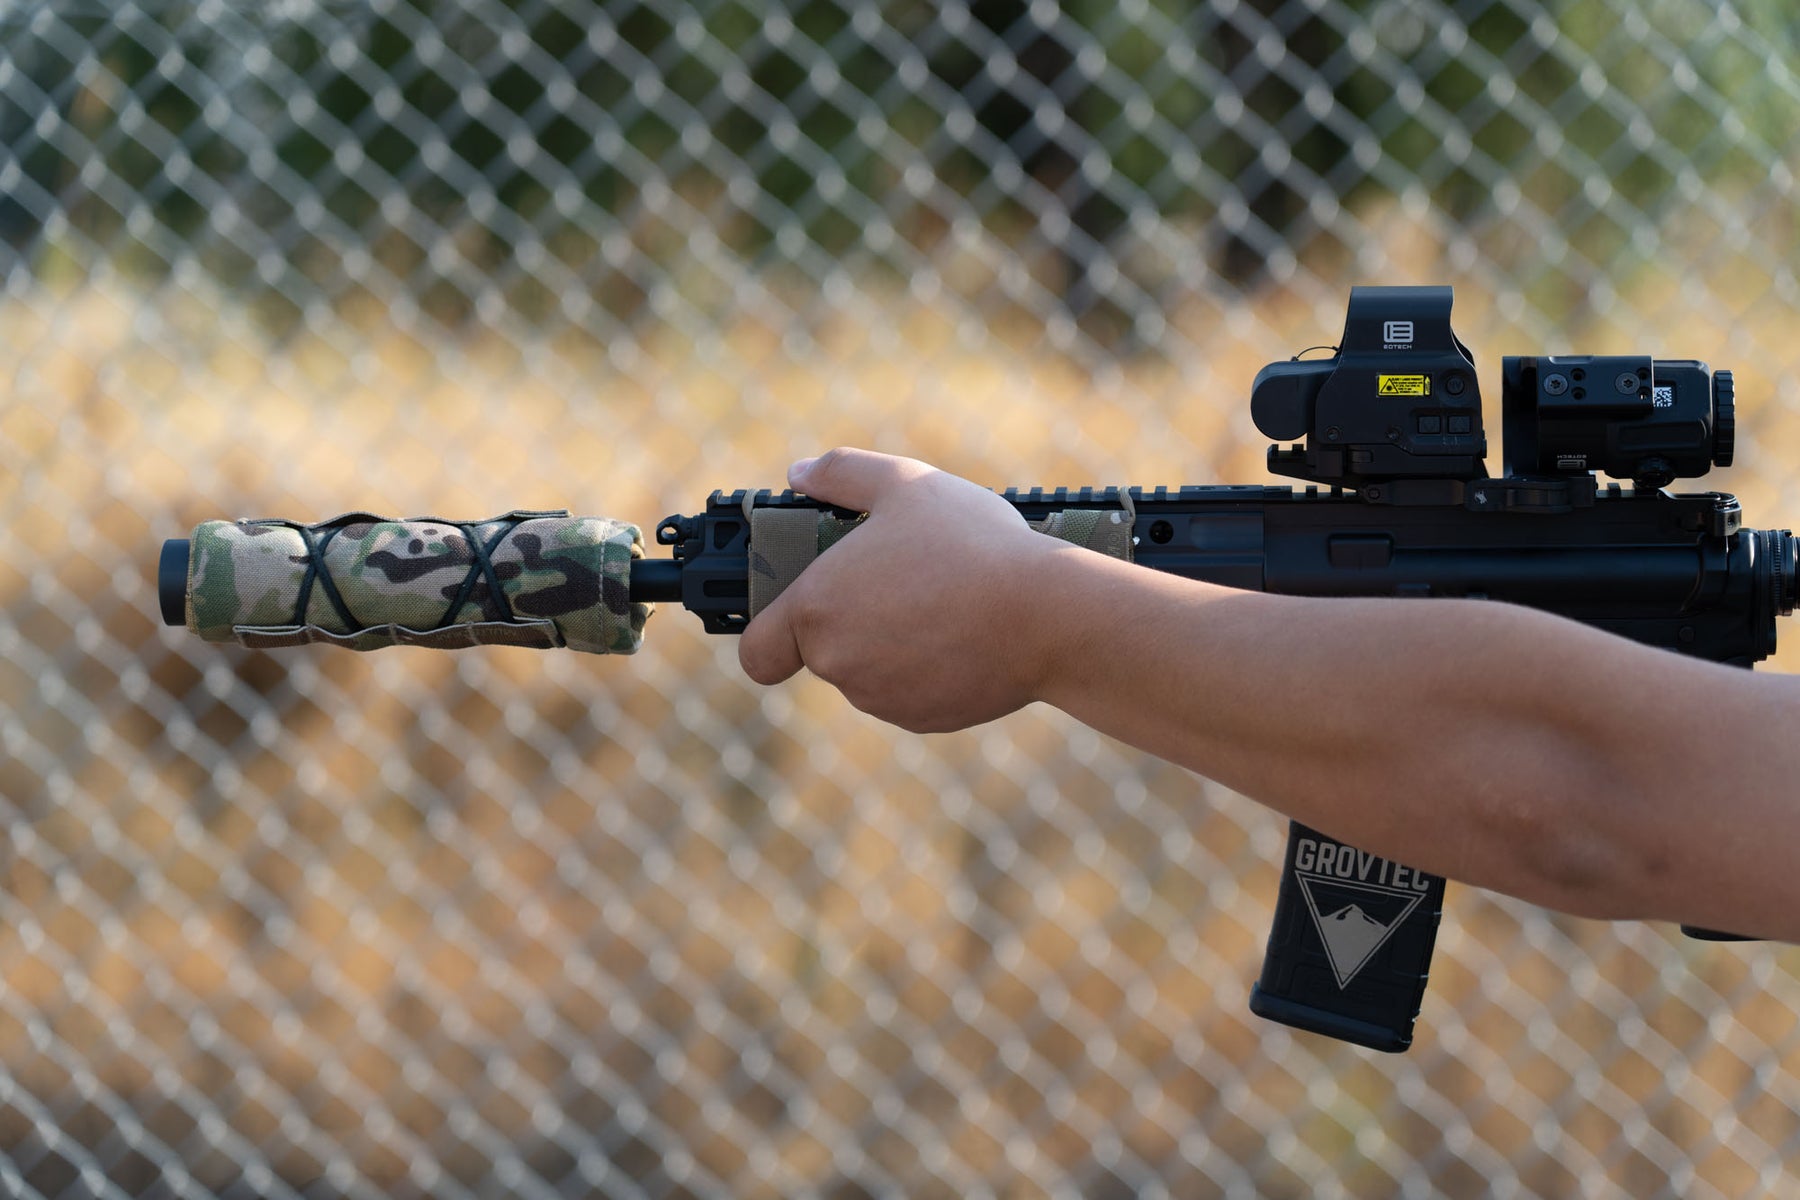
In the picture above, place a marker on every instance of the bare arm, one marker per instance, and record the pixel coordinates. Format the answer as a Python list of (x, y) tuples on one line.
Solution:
[(1493, 744)]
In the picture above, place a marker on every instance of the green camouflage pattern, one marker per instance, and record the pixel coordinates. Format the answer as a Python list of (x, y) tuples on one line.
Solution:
[(563, 581), (1103, 530)]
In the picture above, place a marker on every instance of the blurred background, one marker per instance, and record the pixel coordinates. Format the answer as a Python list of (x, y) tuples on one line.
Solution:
[(508, 923)]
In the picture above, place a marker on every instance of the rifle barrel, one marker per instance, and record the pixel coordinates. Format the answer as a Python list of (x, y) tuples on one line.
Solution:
[(655, 581)]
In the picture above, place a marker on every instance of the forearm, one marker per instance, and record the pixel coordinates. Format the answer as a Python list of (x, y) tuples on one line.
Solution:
[(1486, 742)]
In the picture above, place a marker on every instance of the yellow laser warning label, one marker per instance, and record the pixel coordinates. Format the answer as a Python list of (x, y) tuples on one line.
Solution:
[(1404, 385)]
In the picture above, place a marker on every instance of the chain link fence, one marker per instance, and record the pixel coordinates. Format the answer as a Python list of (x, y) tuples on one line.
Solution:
[(507, 923)]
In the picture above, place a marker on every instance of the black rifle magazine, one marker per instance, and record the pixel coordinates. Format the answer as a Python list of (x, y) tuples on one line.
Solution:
[(1350, 950)]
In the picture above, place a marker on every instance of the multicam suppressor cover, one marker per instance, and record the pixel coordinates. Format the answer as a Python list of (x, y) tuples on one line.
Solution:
[(540, 579)]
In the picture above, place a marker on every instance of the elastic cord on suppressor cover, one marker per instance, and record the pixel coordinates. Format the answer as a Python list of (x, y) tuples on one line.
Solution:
[(539, 579)]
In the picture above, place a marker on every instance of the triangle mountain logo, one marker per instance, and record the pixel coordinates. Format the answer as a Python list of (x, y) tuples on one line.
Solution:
[(1354, 920)]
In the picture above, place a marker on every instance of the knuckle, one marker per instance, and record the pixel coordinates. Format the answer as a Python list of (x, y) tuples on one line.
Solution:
[(827, 463)]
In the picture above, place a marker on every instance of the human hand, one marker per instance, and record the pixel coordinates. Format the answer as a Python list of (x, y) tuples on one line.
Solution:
[(923, 616)]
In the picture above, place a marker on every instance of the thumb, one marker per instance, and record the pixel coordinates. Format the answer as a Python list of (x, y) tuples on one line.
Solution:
[(767, 649), (850, 478)]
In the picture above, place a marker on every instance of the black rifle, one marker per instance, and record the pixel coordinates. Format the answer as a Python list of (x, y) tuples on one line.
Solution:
[(1390, 441), (1400, 504)]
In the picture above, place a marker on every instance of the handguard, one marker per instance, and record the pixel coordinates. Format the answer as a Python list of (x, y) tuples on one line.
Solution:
[(540, 579), (784, 540)]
